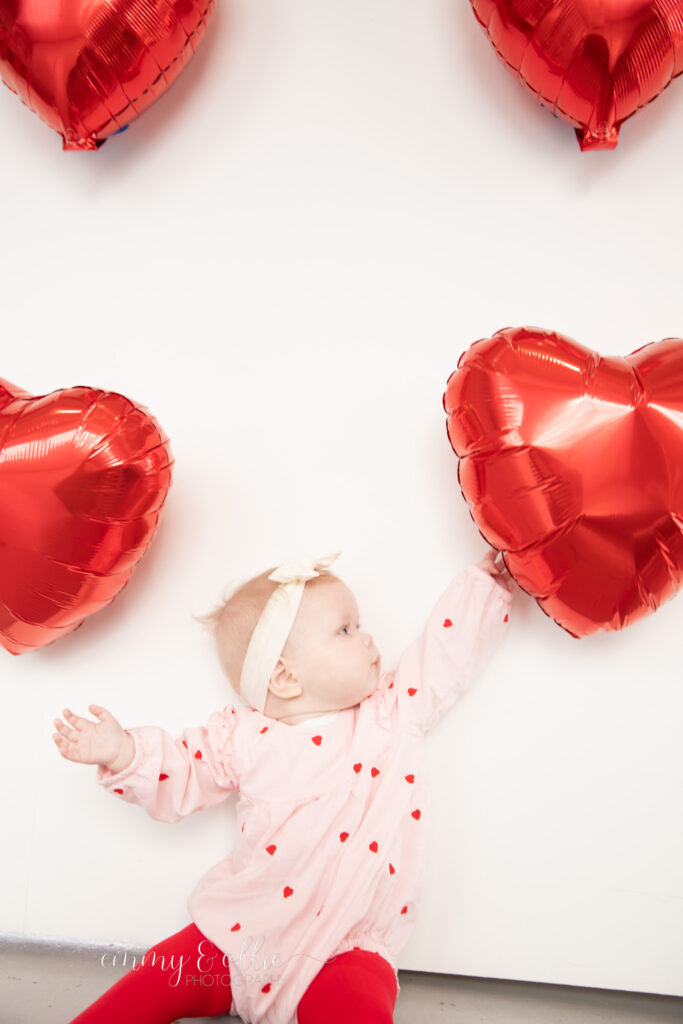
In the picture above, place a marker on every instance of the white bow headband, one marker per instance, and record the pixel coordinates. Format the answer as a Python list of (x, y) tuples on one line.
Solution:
[(275, 624)]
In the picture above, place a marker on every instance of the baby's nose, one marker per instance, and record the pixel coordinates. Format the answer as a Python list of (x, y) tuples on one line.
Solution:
[(367, 637)]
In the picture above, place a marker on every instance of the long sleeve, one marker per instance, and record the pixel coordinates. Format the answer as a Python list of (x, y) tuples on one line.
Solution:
[(461, 633), (172, 778)]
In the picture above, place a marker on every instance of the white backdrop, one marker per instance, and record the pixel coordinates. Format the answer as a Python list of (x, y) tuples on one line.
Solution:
[(283, 260)]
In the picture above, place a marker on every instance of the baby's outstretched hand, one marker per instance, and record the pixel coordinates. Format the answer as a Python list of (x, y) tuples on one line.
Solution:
[(89, 742), (493, 564)]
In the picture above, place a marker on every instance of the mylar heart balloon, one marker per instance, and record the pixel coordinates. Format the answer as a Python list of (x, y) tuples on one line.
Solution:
[(88, 67), (572, 464), (593, 62), (83, 476)]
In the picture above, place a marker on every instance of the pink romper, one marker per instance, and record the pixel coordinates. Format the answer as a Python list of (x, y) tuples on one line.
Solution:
[(330, 850)]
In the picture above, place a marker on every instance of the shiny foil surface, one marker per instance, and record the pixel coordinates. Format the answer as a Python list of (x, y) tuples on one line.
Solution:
[(89, 67), (572, 464), (83, 476), (592, 62)]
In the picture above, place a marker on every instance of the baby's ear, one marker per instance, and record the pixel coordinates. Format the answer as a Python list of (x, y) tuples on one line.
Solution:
[(283, 681), (278, 673)]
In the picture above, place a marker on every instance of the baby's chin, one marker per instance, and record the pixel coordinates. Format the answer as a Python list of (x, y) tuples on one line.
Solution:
[(373, 677)]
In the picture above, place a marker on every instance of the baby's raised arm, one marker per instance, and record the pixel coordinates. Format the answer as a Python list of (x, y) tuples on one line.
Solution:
[(169, 777), (462, 631)]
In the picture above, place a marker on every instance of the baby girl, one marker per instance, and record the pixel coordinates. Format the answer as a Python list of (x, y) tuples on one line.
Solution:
[(303, 921)]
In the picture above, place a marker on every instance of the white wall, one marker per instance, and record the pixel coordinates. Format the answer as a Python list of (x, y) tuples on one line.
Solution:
[(283, 259)]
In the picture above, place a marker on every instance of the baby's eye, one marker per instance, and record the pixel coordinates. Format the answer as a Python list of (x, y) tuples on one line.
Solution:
[(344, 628)]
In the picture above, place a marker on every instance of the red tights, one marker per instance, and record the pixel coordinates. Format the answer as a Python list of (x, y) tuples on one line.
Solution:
[(356, 985)]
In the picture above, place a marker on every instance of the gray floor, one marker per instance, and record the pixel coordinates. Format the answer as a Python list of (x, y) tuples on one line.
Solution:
[(40, 984)]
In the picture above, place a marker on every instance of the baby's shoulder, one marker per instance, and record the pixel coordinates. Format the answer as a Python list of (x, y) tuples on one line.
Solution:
[(242, 719), (382, 701)]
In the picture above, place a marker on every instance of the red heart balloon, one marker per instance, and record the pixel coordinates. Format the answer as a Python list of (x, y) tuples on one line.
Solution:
[(572, 464), (89, 67), (83, 476), (593, 62)]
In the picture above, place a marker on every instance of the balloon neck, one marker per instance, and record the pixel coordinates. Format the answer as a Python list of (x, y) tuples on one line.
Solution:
[(71, 140), (602, 136)]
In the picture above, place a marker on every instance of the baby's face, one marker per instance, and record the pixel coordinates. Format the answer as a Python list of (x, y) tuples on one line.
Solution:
[(333, 658)]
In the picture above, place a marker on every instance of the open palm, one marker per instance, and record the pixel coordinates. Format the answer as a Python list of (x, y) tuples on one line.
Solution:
[(89, 742)]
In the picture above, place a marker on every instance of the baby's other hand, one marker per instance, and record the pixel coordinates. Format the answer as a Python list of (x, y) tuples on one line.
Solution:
[(493, 564), (89, 742)]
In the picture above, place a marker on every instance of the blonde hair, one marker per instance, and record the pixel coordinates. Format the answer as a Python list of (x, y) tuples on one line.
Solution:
[(234, 619)]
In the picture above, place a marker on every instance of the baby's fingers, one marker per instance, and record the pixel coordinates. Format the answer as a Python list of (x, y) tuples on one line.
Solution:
[(73, 736), (101, 713), (75, 720), (66, 749), (65, 731)]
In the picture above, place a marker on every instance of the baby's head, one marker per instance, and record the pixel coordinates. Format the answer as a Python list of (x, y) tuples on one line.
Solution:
[(320, 662)]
